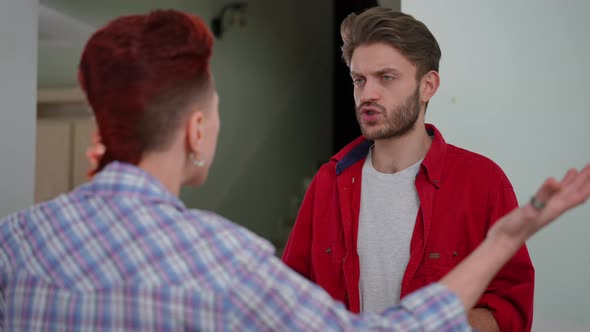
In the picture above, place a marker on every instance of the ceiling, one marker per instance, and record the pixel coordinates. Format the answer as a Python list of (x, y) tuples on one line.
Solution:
[(57, 28), (65, 23)]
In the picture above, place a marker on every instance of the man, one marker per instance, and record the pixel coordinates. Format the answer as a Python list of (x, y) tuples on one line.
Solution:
[(398, 208)]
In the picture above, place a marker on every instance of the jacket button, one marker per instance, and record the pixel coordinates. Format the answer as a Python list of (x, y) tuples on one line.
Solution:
[(329, 251)]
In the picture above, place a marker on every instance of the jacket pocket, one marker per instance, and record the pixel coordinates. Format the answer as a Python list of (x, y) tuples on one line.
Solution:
[(328, 270), (331, 254), (438, 261)]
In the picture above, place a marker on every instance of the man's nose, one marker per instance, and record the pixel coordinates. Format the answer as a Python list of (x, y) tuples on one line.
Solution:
[(370, 92)]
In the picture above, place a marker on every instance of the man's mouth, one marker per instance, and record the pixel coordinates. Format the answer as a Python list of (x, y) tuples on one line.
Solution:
[(369, 114)]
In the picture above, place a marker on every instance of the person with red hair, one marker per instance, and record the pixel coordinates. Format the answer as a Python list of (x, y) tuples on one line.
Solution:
[(122, 252)]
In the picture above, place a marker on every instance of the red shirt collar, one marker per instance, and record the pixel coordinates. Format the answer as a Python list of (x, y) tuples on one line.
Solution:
[(433, 162)]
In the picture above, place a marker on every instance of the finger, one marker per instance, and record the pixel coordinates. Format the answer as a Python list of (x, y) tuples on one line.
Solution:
[(585, 172), (549, 188), (579, 182), (569, 176), (584, 187), (575, 193)]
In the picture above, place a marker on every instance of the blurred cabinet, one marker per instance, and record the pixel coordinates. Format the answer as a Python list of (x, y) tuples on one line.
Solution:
[(52, 166), (64, 131)]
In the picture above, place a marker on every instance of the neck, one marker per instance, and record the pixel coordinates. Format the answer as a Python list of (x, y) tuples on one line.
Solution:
[(395, 154), (167, 169)]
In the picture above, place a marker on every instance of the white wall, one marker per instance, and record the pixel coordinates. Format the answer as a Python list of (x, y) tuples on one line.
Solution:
[(515, 88), (18, 78)]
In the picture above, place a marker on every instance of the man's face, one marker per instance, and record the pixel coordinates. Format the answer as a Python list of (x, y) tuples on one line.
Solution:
[(386, 93)]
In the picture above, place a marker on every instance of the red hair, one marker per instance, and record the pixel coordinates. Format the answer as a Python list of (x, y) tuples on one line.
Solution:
[(139, 73)]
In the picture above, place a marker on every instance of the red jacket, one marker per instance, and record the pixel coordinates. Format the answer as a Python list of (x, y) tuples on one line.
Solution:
[(461, 195)]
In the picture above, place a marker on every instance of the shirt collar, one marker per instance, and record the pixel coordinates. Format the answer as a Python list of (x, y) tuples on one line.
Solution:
[(433, 161), (119, 178)]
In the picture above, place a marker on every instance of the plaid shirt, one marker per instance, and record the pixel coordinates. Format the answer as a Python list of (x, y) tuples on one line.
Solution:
[(122, 253)]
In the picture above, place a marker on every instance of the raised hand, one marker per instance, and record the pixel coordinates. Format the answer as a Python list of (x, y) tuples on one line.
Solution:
[(551, 200)]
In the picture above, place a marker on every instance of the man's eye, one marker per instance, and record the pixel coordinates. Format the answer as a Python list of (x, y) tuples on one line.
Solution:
[(388, 78), (357, 81)]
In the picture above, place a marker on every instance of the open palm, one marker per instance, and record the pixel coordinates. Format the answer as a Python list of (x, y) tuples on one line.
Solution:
[(558, 197)]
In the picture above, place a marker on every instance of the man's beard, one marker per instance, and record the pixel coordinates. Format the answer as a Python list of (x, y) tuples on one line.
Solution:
[(398, 122)]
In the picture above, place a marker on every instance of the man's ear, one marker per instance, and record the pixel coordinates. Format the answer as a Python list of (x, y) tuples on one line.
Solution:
[(194, 131), (429, 85)]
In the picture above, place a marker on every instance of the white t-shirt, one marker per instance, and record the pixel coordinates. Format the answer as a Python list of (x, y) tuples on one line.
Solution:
[(389, 205)]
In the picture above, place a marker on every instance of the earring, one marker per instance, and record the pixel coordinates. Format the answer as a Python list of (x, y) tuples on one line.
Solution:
[(196, 163)]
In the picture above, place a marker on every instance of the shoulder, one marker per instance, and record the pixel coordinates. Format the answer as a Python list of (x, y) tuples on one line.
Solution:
[(468, 162), (327, 170), (221, 232), (24, 221), (229, 250), (29, 228)]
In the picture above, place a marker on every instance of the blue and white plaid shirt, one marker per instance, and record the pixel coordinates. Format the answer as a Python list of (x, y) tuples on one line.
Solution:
[(122, 253)]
